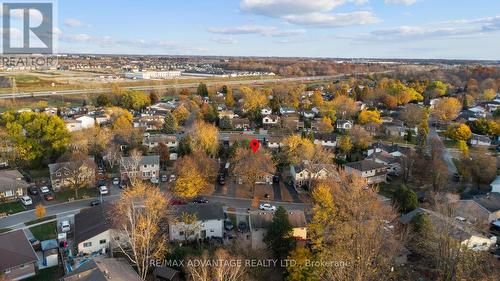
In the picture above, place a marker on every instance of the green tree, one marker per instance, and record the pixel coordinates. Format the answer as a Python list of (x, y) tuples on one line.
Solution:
[(170, 125), (404, 199), (136, 100), (36, 137), (302, 269), (103, 100), (225, 123), (278, 236), (202, 90)]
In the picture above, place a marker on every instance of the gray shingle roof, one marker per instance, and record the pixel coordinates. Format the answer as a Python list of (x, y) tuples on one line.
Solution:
[(365, 165), (91, 222), (203, 212)]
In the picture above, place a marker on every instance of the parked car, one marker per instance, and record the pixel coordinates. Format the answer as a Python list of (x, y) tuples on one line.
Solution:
[(200, 200), (44, 190), (164, 178), (154, 180), (116, 181), (26, 200), (267, 207), (221, 179), (101, 182), (172, 178), (65, 227), (228, 225), (33, 191), (48, 197), (103, 190), (95, 202)]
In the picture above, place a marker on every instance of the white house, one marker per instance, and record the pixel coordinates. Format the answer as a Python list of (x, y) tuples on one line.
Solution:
[(304, 172), (266, 111), (270, 120), (326, 140), (144, 167), (480, 140), (80, 123), (370, 170), (343, 124), (93, 230), (274, 142), (287, 110), (210, 222)]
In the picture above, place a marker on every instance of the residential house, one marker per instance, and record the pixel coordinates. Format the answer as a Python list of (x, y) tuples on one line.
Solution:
[(327, 140), (302, 174), (152, 141), (292, 123), (343, 124), (12, 185), (459, 230), (308, 114), (227, 113), (210, 222), (266, 111), (260, 220), (480, 140), (370, 170), (393, 163), (240, 123), (270, 119), (393, 149), (481, 209), (149, 123), (93, 230), (143, 167), (80, 123), (18, 260), (495, 185), (230, 138), (65, 174), (102, 269), (274, 142)]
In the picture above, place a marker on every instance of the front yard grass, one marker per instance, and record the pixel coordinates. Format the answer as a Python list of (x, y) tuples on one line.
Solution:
[(45, 231), (11, 208), (39, 220), (83, 193)]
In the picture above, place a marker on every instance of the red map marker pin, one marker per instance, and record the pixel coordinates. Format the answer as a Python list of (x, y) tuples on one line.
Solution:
[(254, 145)]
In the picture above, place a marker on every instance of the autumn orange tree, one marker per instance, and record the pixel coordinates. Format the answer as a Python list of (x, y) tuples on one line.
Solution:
[(351, 224), (138, 217), (204, 137), (194, 172), (446, 109), (40, 211)]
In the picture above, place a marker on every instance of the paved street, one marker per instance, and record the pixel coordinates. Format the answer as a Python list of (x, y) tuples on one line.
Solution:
[(446, 153)]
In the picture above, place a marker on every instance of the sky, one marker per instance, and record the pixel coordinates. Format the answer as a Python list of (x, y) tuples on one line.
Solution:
[(430, 29)]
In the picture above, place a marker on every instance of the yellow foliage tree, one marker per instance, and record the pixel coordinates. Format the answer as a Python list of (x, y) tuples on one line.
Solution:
[(446, 109), (298, 148), (40, 211), (253, 99), (181, 114), (369, 117), (459, 132), (205, 137), (190, 180)]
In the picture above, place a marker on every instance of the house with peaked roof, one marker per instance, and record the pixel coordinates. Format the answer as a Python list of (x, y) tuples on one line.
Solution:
[(270, 119), (326, 140), (18, 260), (93, 230), (480, 140), (103, 269), (260, 220), (370, 170), (343, 124), (209, 224), (303, 173), (153, 140), (393, 163), (63, 174), (145, 168), (12, 185), (240, 123), (481, 209)]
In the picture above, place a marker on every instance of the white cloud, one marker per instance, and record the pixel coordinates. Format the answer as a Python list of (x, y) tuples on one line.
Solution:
[(317, 13), (333, 20), (70, 22), (267, 31), (401, 2), (226, 41)]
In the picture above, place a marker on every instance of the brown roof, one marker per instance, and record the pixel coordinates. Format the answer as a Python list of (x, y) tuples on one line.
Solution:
[(15, 250)]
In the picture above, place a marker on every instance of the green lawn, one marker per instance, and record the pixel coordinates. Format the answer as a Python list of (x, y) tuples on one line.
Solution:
[(47, 274), (387, 189), (11, 207), (39, 220), (2, 230), (45, 231), (65, 195)]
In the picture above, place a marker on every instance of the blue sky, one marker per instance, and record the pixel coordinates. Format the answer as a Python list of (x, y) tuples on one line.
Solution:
[(451, 29)]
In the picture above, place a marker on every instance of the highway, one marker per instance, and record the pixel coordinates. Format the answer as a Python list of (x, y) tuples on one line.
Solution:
[(179, 86)]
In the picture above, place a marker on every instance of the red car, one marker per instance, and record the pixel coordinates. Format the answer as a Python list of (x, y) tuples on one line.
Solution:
[(177, 202), (49, 197)]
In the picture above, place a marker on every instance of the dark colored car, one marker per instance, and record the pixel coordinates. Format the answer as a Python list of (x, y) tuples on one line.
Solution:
[(200, 200), (221, 179), (101, 182), (95, 203), (177, 202), (276, 179), (33, 190), (48, 197)]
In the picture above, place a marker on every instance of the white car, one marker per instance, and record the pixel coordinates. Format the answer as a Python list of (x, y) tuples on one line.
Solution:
[(65, 227), (267, 207), (44, 190), (103, 190), (26, 200), (172, 178), (116, 181), (154, 180)]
